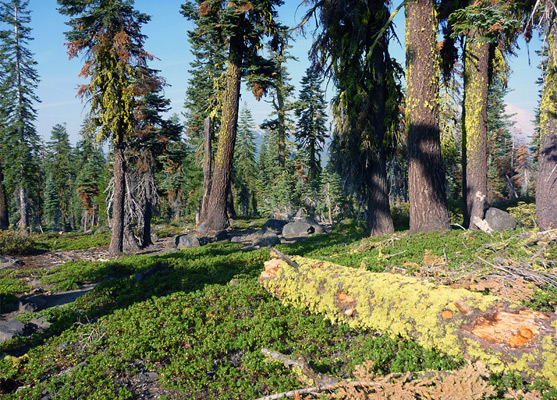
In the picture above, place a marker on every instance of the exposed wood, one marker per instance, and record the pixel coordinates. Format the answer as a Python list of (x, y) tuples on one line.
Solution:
[(207, 166), (502, 334)]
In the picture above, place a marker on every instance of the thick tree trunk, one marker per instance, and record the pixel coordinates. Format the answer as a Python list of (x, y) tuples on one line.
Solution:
[(474, 135), (546, 183), (217, 218), (208, 159), (4, 218), (230, 210), (426, 172), (147, 209), (117, 237), (379, 220), (504, 336)]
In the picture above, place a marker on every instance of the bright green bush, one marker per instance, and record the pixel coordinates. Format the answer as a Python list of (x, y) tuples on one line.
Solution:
[(525, 214)]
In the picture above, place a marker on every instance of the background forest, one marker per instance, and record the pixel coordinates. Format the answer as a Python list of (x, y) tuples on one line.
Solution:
[(357, 156)]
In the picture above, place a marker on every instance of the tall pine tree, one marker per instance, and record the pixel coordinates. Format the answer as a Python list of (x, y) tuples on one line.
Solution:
[(20, 142)]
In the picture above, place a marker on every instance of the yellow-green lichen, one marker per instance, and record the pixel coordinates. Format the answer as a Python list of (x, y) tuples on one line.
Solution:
[(401, 305)]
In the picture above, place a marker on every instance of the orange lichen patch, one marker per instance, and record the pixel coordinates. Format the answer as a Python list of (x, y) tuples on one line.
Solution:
[(346, 303), (447, 314), (514, 329), (318, 265), (271, 268)]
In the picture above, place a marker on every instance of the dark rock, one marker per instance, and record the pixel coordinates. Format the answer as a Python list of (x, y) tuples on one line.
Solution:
[(11, 329), (274, 225), (499, 220), (268, 239), (186, 241), (10, 262), (313, 222), (221, 235), (299, 214)]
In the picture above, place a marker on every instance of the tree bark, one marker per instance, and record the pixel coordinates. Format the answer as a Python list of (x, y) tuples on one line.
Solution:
[(147, 207), (379, 218), (217, 218), (4, 217), (117, 237), (503, 335), (207, 141), (474, 135), (546, 183), (23, 225), (426, 171)]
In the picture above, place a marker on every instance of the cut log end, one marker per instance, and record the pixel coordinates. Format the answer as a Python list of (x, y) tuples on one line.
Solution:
[(513, 329)]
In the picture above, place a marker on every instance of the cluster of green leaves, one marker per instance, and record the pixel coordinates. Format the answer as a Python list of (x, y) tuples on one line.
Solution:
[(70, 241)]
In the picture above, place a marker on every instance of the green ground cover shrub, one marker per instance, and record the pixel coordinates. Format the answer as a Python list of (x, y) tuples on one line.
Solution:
[(13, 243)]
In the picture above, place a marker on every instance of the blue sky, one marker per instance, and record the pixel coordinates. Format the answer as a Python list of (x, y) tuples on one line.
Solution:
[(167, 40)]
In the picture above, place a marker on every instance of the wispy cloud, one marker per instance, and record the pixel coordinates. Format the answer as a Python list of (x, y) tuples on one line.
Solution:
[(524, 127)]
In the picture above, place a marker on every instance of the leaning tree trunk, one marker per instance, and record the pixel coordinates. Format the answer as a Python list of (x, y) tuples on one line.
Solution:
[(546, 183), (474, 135), (117, 237), (217, 218), (4, 218), (503, 335), (426, 172)]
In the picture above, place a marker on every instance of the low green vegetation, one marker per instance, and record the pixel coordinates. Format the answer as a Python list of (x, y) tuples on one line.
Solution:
[(199, 319)]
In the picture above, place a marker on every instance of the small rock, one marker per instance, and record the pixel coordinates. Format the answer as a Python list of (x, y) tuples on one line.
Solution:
[(499, 220), (266, 240), (186, 241), (11, 329)]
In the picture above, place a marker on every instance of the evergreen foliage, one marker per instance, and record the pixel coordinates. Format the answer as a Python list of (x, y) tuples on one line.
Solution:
[(311, 130), (19, 79), (245, 171)]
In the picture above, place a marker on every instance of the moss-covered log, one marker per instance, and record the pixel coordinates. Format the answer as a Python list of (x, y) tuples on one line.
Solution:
[(503, 335)]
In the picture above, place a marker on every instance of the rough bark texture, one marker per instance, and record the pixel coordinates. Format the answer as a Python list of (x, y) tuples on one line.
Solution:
[(23, 224), (426, 172), (379, 218), (217, 218), (546, 183), (207, 166), (503, 335), (147, 209), (4, 218), (474, 136), (117, 237)]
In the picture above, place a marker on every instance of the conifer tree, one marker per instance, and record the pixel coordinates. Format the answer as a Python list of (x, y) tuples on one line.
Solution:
[(108, 33), (311, 130), (244, 161), (426, 172), (241, 26), (20, 142), (59, 169)]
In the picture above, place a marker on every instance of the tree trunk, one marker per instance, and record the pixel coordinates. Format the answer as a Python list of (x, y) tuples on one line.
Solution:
[(217, 218), (147, 209), (4, 218), (426, 172), (23, 225), (379, 218), (546, 183), (505, 336), (474, 132), (207, 140), (230, 211), (117, 237)]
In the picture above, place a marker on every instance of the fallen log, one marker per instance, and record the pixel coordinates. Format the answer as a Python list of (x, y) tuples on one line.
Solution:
[(503, 335)]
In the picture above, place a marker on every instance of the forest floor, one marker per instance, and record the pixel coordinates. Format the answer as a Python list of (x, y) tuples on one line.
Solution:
[(191, 324)]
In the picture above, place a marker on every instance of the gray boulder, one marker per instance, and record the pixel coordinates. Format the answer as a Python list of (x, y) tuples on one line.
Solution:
[(274, 225), (300, 229), (499, 220), (267, 239), (186, 241), (10, 329), (313, 222), (221, 235)]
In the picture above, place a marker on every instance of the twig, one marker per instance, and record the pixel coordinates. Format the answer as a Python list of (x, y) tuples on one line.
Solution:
[(285, 258), (318, 389), (459, 226)]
